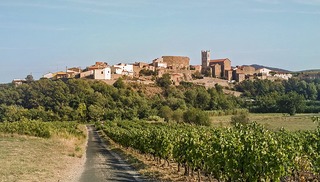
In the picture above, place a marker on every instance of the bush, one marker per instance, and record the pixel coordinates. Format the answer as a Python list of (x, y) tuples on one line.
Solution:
[(196, 116), (154, 118), (166, 113), (177, 116), (242, 118)]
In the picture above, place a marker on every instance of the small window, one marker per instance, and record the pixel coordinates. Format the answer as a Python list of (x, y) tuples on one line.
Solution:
[(101, 72)]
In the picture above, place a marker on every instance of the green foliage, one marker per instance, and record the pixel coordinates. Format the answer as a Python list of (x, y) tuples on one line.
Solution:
[(177, 116), (242, 118), (282, 96), (291, 103), (164, 81), (196, 116), (87, 100), (166, 113), (119, 83), (41, 129), (242, 153), (29, 79), (95, 113), (145, 72), (227, 112)]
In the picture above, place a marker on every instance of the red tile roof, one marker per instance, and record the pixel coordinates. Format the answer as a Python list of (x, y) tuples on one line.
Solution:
[(218, 60)]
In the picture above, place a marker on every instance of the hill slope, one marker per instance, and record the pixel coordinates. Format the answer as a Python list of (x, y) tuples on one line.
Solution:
[(257, 66)]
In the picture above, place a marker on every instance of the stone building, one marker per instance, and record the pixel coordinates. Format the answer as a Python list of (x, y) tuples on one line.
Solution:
[(225, 65), (216, 70), (172, 62), (205, 59), (97, 65), (219, 68)]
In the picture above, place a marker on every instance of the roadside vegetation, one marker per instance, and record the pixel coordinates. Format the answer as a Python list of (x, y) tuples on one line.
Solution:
[(34, 150)]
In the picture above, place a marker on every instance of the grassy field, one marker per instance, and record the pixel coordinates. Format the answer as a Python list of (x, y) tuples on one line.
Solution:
[(273, 121), (27, 158)]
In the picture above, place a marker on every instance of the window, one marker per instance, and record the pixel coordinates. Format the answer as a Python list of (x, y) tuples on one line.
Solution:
[(101, 72)]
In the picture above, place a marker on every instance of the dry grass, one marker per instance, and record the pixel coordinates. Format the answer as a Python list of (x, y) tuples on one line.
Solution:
[(24, 158), (273, 121)]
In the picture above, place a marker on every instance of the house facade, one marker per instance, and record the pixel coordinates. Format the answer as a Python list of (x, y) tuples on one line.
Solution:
[(102, 74), (122, 69), (264, 71)]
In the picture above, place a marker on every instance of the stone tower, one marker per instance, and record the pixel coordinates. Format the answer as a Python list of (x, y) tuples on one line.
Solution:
[(205, 57)]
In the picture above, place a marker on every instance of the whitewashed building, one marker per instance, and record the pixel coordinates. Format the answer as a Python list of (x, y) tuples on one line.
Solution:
[(48, 75), (284, 76), (159, 63), (102, 74), (264, 71), (123, 69)]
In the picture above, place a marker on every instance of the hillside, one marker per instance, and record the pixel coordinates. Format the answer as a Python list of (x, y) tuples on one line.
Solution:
[(310, 71), (257, 66)]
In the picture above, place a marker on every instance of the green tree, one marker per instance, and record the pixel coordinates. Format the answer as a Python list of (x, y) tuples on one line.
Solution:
[(196, 116), (119, 83), (95, 113), (164, 81), (291, 103), (311, 91), (177, 116), (166, 113), (29, 78), (203, 99)]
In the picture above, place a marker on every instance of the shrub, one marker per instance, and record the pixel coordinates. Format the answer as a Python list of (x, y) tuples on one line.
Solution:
[(242, 118), (196, 116)]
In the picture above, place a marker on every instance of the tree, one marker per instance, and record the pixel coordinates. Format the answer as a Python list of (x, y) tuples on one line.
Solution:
[(164, 81), (291, 103), (95, 113), (165, 112), (145, 72), (119, 83), (311, 91), (202, 99), (29, 79), (178, 115), (196, 116)]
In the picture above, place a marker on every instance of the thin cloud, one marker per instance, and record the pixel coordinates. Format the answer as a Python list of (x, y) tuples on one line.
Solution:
[(308, 2), (272, 11), (34, 27), (256, 51), (276, 2), (268, 1), (90, 10), (16, 48)]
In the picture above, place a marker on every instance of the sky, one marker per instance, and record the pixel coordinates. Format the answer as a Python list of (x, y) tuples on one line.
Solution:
[(41, 36)]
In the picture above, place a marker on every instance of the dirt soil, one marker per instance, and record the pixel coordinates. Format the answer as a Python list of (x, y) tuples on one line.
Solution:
[(102, 164)]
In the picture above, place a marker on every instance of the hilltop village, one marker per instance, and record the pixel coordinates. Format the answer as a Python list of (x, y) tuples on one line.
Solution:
[(210, 71)]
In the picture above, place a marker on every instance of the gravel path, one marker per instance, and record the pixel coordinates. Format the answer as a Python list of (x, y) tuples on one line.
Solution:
[(104, 165)]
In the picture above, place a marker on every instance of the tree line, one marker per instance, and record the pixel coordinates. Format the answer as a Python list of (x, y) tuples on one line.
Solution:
[(87, 100), (289, 96)]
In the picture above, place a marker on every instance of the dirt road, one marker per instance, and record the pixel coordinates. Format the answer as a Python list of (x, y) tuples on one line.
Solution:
[(104, 165)]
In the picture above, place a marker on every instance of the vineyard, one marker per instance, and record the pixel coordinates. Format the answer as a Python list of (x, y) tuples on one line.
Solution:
[(242, 153), (42, 129)]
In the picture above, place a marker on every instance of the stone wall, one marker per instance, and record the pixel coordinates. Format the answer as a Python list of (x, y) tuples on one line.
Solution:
[(177, 62)]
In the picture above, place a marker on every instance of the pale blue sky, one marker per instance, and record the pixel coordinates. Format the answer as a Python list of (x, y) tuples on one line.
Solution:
[(38, 36)]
